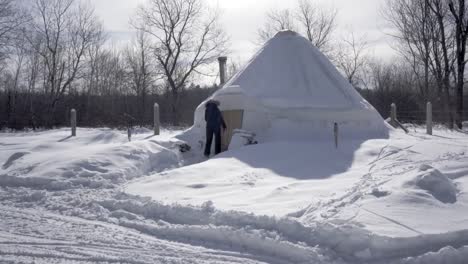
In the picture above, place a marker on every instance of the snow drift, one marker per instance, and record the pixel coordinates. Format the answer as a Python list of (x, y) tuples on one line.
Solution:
[(401, 200)]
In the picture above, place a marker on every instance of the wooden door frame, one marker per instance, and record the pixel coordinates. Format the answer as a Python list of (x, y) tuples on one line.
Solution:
[(226, 136)]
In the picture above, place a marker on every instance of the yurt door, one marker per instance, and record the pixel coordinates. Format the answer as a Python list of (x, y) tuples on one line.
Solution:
[(233, 119)]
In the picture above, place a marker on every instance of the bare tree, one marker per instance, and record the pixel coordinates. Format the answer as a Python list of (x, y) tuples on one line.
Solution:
[(186, 38), (415, 32), (13, 78), (233, 67), (112, 78), (443, 55), (58, 59), (426, 41), (352, 59), (67, 29), (11, 20), (458, 10), (141, 73), (94, 56), (276, 20), (312, 20), (318, 23), (32, 72)]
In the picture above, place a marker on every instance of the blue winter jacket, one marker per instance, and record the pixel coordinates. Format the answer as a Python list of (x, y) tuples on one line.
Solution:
[(213, 117)]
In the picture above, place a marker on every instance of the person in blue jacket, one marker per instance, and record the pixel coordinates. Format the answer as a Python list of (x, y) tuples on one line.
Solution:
[(214, 122)]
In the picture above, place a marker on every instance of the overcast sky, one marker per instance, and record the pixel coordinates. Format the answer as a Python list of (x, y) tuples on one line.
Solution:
[(242, 18)]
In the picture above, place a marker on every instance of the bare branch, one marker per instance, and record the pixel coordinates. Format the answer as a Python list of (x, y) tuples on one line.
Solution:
[(315, 22), (318, 23), (351, 58), (186, 38)]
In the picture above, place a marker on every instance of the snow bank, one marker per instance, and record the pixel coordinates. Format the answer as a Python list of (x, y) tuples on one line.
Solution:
[(445, 255), (436, 183), (94, 159), (368, 200), (36, 236), (288, 238), (246, 179), (374, 201)]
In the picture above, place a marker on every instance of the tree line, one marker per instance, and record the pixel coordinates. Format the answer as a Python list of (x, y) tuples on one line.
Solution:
[(54, 56), (432, 37)]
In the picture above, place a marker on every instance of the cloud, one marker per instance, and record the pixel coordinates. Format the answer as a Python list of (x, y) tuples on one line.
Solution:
[(242, 18)]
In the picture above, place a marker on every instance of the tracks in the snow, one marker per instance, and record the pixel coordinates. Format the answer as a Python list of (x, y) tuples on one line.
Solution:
[(70, 239)]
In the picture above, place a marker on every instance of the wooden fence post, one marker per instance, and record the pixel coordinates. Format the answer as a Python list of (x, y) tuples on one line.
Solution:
[(73, 122), (393, 115), (429, 118), (335, 131), (156, 119)]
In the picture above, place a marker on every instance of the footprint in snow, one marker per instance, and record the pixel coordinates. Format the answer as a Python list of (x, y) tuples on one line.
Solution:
[(197, 186), (13, 158)]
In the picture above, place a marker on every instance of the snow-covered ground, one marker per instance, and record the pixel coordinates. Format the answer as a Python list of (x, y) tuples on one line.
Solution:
[(99, 198)]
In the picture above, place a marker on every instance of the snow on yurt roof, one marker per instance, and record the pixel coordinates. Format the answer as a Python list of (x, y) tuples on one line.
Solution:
[(289, 71)]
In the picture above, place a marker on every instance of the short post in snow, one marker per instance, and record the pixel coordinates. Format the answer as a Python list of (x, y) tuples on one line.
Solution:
[(335, 131), (393, 115), (129, 133), (429, 118), (73, 122), (156, 119)]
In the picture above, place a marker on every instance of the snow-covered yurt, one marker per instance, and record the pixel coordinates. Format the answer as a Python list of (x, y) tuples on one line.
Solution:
[(290, 91)]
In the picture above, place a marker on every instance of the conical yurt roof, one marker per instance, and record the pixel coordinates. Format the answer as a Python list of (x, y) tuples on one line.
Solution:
[(290, 90), (289, 72)]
